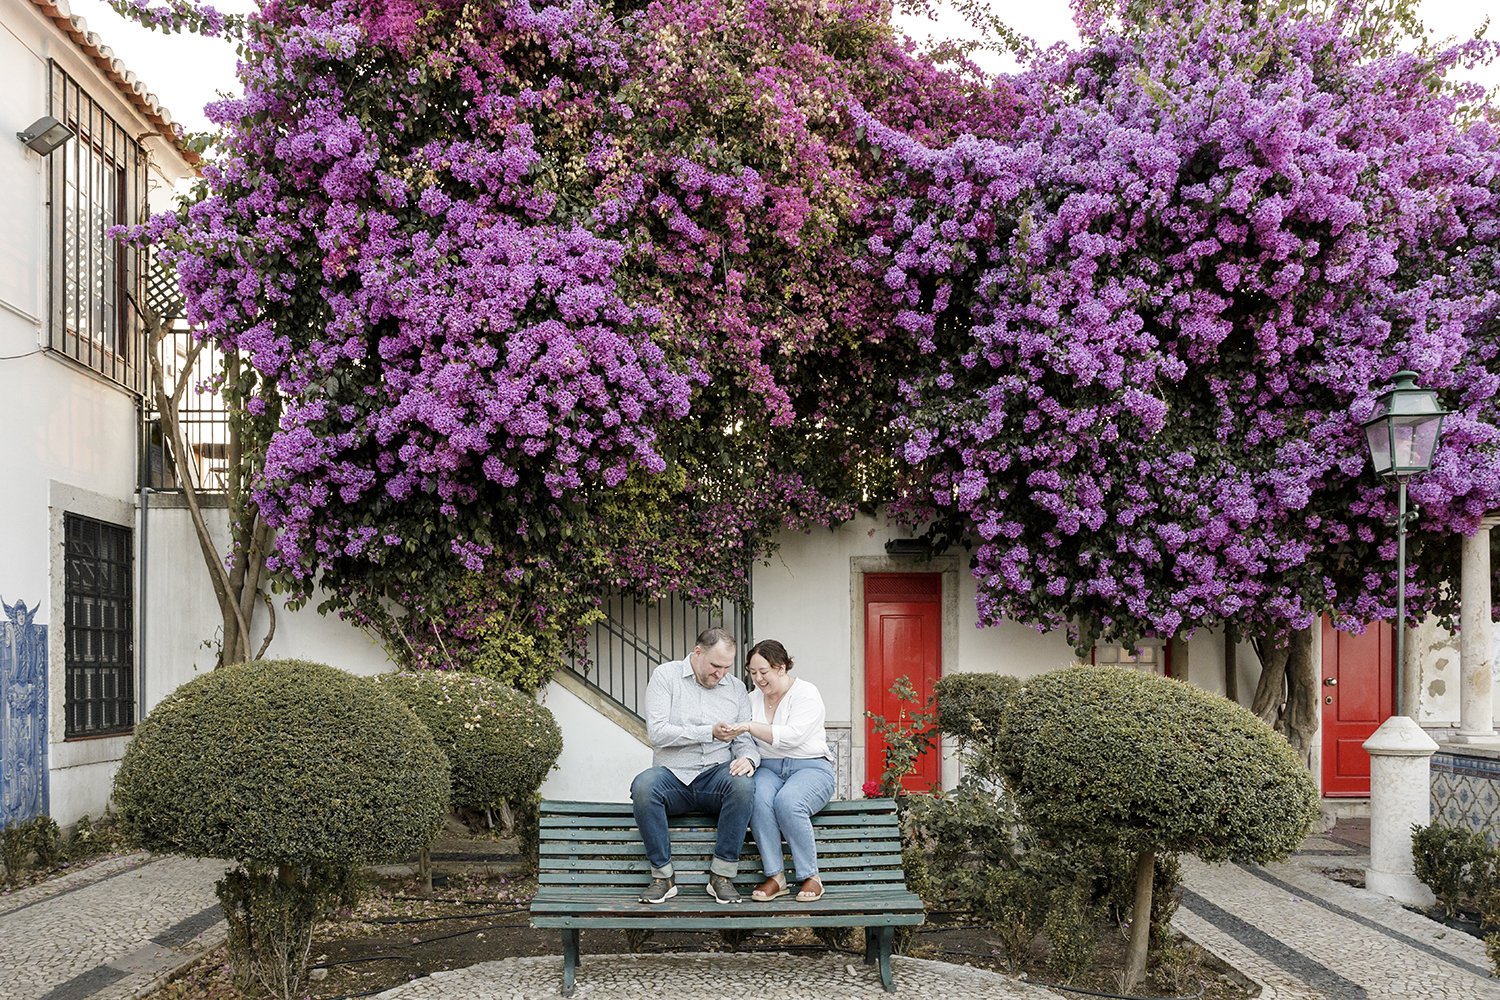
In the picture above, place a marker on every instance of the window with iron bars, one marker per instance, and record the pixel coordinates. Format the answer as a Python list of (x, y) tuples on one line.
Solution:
[(98, 638), (97, 180)]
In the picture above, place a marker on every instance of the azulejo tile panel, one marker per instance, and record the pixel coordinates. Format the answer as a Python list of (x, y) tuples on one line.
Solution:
[(1466, 793)]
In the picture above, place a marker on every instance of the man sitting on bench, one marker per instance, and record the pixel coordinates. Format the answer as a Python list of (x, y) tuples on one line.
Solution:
[(700, 765)]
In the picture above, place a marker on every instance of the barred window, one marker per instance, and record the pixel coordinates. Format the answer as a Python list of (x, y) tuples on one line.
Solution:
[(97, 180), (99, 648)]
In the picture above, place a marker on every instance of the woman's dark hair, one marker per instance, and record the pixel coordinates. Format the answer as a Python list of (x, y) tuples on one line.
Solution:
[(772, 652)]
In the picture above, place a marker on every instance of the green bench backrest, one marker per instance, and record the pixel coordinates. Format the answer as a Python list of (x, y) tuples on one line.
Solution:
[(596, 843)]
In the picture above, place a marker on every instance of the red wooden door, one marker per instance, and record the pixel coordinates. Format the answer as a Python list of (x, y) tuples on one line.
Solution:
[(903, 638), (1358, 692)]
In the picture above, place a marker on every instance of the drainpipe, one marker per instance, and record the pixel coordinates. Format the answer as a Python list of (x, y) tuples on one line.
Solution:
[(143, 492)]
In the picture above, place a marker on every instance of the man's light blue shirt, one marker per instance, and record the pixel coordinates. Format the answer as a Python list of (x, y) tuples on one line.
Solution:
[(680, 717)]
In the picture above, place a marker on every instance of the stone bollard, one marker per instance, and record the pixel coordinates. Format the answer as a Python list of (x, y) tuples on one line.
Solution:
[(1400, 778)]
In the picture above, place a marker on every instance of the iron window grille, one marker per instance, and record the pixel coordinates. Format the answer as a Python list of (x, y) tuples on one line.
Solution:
[(99, 650), (97, 180)]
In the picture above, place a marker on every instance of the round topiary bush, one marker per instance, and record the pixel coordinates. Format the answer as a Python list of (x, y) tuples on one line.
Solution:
[(283, 762), (500, 743), (1119, 759), (299, 772)]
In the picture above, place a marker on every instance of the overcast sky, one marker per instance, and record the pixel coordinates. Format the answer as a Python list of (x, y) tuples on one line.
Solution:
[(186, 71)]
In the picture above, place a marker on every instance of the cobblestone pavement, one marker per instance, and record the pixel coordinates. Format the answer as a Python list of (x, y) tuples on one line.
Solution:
[(710, 977), (1301, 935), (107, 932)]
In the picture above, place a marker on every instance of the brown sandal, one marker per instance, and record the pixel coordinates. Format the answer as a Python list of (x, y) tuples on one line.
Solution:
[(771, 888), (812, 889)]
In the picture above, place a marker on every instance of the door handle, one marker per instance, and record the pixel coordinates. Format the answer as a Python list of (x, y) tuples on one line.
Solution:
[(1331, 681)]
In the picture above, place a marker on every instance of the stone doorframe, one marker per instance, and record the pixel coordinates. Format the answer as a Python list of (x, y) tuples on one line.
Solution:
[(858, 567)]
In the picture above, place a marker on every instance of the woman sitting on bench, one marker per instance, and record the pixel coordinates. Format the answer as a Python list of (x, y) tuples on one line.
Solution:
[(795, 778)]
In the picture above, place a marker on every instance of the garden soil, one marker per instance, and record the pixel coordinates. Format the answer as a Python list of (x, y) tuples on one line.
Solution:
[(477, 912)]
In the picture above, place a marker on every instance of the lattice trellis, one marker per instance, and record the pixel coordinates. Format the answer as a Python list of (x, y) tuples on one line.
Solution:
[(163, 296)]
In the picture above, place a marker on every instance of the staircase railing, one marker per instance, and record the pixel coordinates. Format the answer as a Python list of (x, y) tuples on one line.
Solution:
[(636, 636)]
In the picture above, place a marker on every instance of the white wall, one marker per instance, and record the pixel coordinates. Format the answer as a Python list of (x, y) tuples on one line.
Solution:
[(182, 616), (599, 758), (70, 436)]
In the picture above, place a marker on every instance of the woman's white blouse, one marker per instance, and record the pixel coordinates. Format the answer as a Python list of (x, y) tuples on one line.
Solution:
[(798, 726)]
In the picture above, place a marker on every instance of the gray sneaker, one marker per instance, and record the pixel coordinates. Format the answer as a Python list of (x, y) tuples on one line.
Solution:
[(660, 890), (721, 888)]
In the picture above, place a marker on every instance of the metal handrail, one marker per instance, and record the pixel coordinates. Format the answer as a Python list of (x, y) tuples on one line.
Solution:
[(622, 650)]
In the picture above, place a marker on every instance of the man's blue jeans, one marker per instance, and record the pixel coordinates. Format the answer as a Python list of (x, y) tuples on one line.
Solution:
[(657, 793), (788, 793)]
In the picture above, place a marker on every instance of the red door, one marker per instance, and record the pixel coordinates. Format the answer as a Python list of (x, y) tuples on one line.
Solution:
[(903, 638), (1358, 694)]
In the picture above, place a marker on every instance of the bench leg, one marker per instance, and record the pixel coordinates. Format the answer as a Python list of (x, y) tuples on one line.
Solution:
[(872, 946), (887, 936), (570, 959)]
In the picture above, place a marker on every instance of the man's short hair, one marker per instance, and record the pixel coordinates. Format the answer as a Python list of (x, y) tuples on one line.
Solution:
[(711, 637)]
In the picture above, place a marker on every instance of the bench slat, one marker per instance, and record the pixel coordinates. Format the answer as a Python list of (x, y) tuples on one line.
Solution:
[(634, 866), (715, 922), (626, 821), (575, 900), (699, 874), (825, 834), (635, 848), (571, 808)]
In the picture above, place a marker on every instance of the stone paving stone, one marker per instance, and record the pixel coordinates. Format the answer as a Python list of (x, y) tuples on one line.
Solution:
[(65, 944), (1330, 940), (762, 976), (70, 882)]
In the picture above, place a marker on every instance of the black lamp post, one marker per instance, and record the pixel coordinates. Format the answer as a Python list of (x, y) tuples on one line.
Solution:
[(1403, 435)]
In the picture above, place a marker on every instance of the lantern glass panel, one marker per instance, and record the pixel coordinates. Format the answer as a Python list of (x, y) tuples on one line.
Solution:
[(1414, 439), (1379, 437)]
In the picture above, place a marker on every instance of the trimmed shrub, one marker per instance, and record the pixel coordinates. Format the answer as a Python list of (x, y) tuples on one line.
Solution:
[(15, 851), (90, 838), (1459, 866), (1148, 765), (500, 743), (46, 842), (972, 707), (1111, 756), (1072, 928), (298, 771)]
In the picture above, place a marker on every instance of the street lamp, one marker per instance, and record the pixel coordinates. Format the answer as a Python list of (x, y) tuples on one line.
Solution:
[(1403, 435)]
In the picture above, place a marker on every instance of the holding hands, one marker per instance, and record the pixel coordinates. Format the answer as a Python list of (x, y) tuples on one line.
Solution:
[(727, 731)]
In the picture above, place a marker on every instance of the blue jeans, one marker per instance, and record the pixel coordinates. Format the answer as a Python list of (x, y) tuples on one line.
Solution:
[(657, 793), (788, 792)]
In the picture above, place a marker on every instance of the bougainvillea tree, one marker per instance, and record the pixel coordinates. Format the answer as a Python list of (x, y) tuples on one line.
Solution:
[(544, 298), (548, 297), (1153, 316)]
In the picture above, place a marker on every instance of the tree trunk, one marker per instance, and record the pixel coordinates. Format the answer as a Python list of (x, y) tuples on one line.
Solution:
[(1140, 921), (1287, 696), (1270, 691), (237, 587), (1300, 721), (1232, 663)]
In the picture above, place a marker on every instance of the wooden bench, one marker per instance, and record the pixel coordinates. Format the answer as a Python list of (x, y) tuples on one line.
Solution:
[(593, 867)]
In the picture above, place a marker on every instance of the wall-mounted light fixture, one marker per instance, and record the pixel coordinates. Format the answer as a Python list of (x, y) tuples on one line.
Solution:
[(45, 135), (909, 547)]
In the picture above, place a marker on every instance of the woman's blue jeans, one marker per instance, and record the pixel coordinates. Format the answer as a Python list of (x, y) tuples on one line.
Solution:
[(788, 793)]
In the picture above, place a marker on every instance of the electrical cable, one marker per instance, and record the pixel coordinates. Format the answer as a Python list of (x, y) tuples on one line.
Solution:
[(433, 920)]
